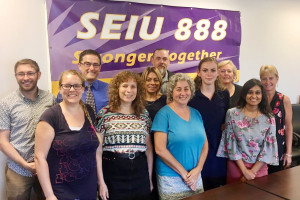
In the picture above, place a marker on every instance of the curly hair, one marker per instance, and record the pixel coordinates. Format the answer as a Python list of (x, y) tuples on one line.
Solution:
[(263, 106), (138, 103), (154, 70), (198, 80), (173, 81)]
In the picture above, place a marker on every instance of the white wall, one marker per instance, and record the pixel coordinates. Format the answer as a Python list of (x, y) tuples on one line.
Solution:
[(22, 35), (270, 35)]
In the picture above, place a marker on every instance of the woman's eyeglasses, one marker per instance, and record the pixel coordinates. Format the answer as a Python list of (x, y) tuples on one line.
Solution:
[(69, 86)]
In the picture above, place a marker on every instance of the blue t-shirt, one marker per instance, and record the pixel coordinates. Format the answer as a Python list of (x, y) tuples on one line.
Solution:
[(185, 138)]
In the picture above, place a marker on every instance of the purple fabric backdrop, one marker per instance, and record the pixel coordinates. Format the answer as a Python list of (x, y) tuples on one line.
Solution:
[(130, 31)]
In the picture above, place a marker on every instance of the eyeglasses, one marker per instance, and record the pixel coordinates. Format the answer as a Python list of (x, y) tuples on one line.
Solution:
[(22, 75), (88, 64), (69, 86)]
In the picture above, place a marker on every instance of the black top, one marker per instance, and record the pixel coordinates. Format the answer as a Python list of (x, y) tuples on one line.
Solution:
[(279, 113), (213, 114), (154, 106), (72, 157), (235, 97)]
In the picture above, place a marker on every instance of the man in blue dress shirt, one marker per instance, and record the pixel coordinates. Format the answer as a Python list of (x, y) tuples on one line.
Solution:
[(90, 66)]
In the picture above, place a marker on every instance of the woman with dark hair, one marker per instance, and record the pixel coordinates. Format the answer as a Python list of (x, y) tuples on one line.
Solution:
[(249, 140), (282, 109), (154, 102), (66, 144), (127, 155), (154, 98), (212, 101)]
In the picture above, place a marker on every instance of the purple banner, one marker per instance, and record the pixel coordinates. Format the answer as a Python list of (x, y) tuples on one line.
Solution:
[(126, 34)]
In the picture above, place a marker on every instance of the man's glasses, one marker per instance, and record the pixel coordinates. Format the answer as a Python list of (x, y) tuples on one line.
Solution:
[(88, 64), (69, 86), (28, 74)]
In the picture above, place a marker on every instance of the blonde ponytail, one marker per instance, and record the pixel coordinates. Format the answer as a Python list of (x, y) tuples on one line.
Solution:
[(87, 114)]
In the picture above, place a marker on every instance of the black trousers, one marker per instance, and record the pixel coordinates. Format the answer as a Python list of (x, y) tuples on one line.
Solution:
[(126, 178), (273, 169)]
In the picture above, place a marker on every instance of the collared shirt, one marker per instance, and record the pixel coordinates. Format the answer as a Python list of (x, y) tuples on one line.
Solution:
[(99, 90), (20, 116), (165, 80)]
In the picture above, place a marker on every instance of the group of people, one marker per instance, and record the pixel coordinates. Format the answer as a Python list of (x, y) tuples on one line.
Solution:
[(152, 135)]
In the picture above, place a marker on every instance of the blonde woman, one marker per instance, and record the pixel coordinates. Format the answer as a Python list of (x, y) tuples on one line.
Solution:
[(66, 145), (282, 110), (227, 75)]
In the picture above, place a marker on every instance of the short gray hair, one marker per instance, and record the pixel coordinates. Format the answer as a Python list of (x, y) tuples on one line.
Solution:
[(173, 81)]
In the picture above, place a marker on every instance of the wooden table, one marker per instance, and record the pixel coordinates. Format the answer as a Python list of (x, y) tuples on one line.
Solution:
[(285, 184), (280, 185), (235, 191)]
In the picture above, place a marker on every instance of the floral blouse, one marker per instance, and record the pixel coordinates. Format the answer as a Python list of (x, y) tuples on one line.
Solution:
[(249, 139)]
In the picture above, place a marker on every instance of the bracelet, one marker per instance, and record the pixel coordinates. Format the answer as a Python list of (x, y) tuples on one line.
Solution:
[(288, 155)]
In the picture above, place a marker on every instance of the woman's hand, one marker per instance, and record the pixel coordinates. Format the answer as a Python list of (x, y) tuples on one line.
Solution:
[(184, 175), (194, 186), (248, 174), (287, 160), (192, 178), (151, 185), (103, 191), (31, 167)]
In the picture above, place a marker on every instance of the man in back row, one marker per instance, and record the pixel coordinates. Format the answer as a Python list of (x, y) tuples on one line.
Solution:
[(19, 114), (95, 93), (160, 59)]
